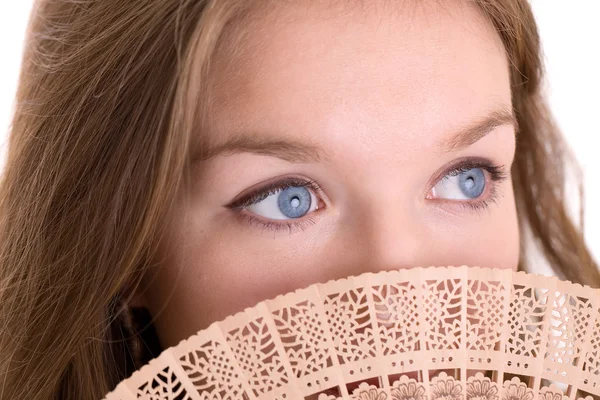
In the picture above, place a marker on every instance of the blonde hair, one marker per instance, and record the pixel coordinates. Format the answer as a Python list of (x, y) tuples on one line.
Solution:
[(107, 101)]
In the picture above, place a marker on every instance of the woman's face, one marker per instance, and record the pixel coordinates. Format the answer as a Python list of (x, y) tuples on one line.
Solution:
[(385, 134)]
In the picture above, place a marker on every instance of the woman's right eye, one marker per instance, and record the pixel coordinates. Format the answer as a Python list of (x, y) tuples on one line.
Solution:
[(287, 200), (290, 202)]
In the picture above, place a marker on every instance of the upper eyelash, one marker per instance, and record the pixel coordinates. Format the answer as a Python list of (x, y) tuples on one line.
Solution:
[(496, 171), (273, 188)]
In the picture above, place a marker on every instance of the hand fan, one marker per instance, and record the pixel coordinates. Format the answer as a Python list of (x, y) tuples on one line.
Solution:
[(438, 333)]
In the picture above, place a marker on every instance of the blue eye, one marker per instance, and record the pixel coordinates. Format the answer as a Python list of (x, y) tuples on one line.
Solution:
[(461, 185), (294, 202), (472, 182), (287, 202)]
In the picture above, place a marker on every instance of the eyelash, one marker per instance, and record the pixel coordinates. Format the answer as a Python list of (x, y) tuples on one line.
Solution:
[(265, 192), (496, 172)]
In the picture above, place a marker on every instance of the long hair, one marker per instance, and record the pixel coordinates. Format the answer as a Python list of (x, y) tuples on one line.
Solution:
[(100, 142)]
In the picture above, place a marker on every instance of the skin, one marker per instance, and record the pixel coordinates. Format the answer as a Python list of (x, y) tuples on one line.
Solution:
[(377, 88)]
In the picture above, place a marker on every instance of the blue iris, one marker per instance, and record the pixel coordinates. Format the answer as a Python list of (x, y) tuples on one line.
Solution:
[(472, 182), (294, 202)]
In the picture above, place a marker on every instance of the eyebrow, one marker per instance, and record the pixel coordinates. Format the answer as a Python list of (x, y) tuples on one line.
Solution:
[(500, 116), (296, 151), (291, 150)]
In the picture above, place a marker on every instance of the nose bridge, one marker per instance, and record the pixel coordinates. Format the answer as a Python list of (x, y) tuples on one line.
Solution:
[(388, 229), (395, 239)]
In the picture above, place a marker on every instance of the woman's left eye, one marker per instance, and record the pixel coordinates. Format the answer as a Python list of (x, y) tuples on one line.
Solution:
[(473, 183), (467, 185)]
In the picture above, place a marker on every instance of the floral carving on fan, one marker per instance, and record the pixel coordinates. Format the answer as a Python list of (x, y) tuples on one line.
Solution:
[(517, 390), (444, 387), (526, 317), (397, 304), (353, 339), (258, 357), (568, 328), (403, 389), (485, 310), (592, 359), (481, 388), (164, 383), (211, 371), (552, 393), (408, 389), (442, 300), (364, 392), (303, 337)]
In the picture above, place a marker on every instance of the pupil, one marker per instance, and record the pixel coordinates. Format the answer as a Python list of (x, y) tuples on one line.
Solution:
[(472, 182)]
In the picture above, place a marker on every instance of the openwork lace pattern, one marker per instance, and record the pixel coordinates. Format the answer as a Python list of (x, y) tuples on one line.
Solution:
[(434, 333)]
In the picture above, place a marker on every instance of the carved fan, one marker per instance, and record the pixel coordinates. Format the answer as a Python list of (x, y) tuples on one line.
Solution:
[(438, 333)]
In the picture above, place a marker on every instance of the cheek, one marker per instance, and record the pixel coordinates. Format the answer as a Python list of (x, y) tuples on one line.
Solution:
[(207, 275), (501, 242), (492, 246), (487, 238)]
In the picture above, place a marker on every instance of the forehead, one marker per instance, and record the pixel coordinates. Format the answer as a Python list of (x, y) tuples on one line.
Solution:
[(418, 68)]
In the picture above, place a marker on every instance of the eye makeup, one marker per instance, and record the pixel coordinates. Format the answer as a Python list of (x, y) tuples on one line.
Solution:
[(494, 174)]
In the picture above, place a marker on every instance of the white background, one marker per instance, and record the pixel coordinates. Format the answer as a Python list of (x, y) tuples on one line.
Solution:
[(570, 32)]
